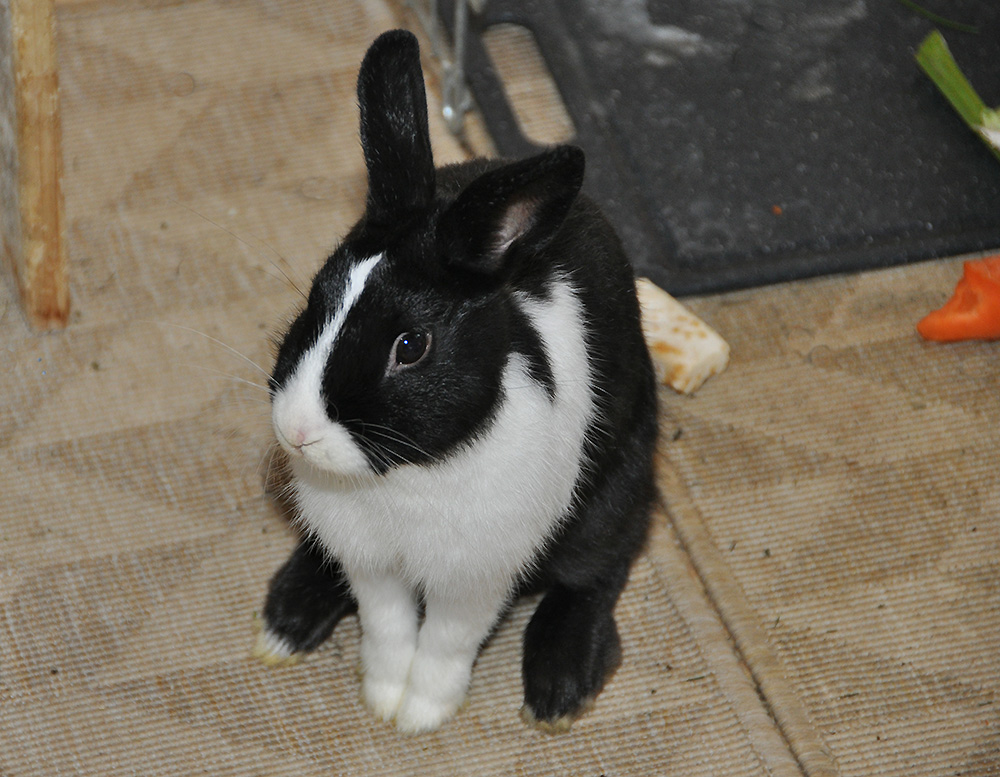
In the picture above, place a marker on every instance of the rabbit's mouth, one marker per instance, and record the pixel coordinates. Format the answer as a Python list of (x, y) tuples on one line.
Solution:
[(317, 441)]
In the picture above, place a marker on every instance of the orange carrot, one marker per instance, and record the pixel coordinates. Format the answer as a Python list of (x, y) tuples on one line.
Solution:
[(973, 312)]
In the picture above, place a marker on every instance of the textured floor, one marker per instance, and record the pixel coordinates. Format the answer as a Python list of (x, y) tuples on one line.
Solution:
[(821, 599), (836, 487)]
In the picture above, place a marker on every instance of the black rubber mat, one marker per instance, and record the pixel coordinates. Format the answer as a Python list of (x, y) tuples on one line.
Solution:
[(742, 143)]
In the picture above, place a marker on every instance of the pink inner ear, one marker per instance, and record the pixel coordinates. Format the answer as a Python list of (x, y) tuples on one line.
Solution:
[(517, 219)]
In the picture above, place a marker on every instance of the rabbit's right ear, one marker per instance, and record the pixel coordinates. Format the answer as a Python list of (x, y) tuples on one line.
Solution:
[(512, 209), (394, 133)]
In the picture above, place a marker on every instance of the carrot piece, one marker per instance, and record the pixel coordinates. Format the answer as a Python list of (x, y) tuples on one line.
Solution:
[(973, 312)]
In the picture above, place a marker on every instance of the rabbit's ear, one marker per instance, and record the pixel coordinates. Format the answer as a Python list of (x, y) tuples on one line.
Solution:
[(394, 134), (515, 208)]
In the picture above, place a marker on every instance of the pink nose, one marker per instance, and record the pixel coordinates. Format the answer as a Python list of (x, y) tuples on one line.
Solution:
[(296, 437)]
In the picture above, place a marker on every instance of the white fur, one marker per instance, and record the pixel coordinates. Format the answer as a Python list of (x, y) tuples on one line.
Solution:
[(298, 414), (459, 531)]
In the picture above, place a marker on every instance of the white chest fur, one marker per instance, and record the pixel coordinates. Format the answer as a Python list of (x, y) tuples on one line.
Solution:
[(479, 517)]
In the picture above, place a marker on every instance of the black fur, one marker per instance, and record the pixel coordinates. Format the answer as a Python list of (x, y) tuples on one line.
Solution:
[(394, 134), (460, 244), (307, 598), (571, 647)]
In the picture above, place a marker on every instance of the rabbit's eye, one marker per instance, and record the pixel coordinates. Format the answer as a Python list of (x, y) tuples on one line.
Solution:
[(410, 347)]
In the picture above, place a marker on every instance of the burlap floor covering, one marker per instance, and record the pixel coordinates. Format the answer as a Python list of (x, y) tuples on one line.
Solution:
[(820, 598), (837, 489)]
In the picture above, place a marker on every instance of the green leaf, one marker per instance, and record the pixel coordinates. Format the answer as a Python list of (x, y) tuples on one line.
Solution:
[(989, 130), (937, 62), (940, 21)]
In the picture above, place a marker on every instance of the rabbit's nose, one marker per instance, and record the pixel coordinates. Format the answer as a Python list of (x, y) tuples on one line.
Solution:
[(295, 438)]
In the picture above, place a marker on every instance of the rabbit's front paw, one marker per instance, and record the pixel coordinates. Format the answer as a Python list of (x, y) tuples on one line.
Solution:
[(435, 692), (385, 673), (382, 696), (418, 714)]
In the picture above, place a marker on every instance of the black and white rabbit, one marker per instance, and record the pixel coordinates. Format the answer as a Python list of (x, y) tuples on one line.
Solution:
[(469, 410)]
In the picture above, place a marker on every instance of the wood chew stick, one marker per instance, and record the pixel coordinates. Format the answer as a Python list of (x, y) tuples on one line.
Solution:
[(685, 350)]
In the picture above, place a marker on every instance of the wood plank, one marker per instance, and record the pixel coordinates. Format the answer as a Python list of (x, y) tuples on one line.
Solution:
[(30, 149)]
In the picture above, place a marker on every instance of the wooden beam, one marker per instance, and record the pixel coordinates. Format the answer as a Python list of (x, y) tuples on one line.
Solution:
[(31, 200)]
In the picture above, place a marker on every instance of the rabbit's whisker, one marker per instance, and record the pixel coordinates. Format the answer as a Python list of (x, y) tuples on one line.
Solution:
[(263, 243), (217, 342), (223, 374)]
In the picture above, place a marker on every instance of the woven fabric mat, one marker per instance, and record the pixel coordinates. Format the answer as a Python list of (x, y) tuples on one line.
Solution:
[(836, 487), (211, 162)]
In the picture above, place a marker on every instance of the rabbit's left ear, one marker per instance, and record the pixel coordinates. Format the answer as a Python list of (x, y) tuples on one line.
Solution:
[(517, 207), (394, 133)]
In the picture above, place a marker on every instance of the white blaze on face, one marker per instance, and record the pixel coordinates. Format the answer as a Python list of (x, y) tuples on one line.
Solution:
[(298, 412)]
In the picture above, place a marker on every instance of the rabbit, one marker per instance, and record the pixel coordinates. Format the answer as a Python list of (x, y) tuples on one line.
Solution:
[(469, 412)]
